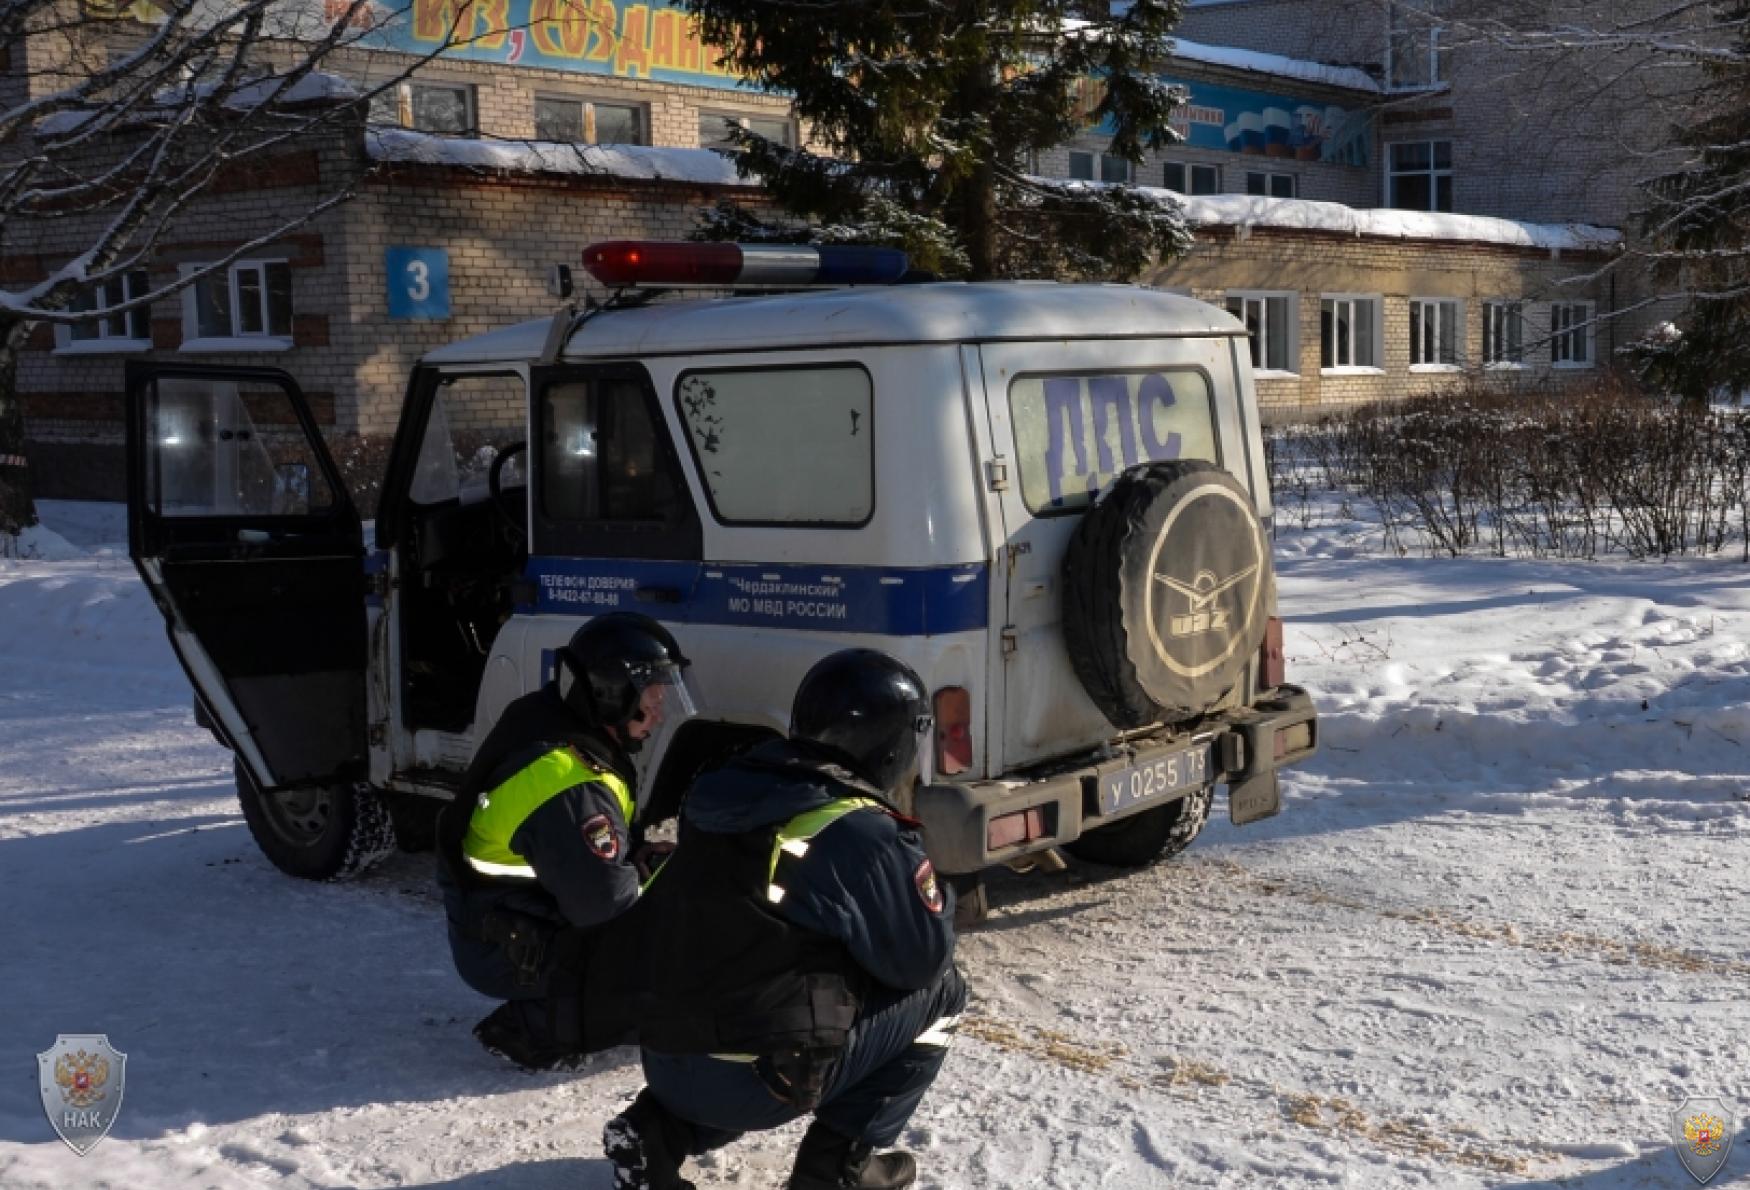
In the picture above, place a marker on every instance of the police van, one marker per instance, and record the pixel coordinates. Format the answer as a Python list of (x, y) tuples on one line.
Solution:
[(1049, 500)]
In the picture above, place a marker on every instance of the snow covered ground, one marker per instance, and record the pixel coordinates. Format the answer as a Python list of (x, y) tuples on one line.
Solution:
[(1497, 935)]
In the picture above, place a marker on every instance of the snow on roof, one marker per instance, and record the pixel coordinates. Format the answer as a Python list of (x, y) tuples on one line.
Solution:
[(1247, 211), (315, 87), (1347, 77), (701, 166)]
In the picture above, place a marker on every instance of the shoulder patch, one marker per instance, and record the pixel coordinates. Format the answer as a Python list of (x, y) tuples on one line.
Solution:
[(928, 889), (599, 836)]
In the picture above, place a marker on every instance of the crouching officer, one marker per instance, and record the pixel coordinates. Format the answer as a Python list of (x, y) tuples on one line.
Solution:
[(539, 848), (807, 947)]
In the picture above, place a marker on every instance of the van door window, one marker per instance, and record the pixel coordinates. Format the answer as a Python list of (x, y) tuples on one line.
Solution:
[(609, 481), (1074, 433), (225, 448), (472, 419), (743, 425)]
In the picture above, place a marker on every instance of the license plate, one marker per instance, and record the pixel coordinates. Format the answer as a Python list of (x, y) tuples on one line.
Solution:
[(1153, 780)]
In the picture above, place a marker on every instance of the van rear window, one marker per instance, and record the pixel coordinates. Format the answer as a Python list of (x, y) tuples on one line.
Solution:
[(783, 446), (1074, 433)]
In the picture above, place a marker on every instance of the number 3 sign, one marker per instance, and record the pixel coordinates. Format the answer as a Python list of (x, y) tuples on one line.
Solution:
[(419, 282)]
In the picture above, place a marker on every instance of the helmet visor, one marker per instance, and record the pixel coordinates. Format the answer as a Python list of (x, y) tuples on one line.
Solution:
[(664, 695)]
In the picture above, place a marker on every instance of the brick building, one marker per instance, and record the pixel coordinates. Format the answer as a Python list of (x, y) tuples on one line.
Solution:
[(515, 152)]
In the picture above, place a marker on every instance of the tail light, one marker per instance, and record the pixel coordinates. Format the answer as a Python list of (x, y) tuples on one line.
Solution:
[(953, 730), (1272, 668)]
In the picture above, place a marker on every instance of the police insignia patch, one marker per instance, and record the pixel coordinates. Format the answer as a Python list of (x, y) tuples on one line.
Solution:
[(928, 889), (599, 834)]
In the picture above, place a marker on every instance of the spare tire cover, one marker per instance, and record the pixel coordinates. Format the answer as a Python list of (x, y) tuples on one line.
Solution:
[(1167, 592)]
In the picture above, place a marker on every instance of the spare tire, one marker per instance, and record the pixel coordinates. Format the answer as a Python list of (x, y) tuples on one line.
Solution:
[(1167, 592)]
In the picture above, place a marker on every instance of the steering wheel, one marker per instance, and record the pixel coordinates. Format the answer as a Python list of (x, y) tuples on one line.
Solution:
[(513, 512)]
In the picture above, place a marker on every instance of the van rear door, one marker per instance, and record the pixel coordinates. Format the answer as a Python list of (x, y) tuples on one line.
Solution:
[(1069, 416), (242, 529)]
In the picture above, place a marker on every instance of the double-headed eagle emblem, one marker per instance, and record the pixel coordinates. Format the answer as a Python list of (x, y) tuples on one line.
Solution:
[(81, 1077)]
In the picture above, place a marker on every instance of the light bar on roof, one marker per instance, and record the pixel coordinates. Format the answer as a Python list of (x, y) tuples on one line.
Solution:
[(660, 263)]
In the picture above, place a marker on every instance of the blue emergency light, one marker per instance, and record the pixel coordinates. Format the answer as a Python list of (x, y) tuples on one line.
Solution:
[(664, 263)]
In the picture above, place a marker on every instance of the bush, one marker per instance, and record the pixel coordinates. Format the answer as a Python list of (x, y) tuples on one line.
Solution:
[(1567, 473)]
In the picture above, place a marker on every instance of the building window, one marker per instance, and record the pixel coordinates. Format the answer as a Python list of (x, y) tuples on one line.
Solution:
[(1203, 179), (1414, 57), (1270, 185), (1112, 169), (1269, 319), (250, 300), (1503, 334), (582, 121), (1349, 332), (132, 328), (1436, 332), (1570, 325), (427, 107), (1421, 176), (714, 129)]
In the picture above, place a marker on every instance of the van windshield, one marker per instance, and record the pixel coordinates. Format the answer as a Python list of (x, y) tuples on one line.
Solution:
[(1074, 433)]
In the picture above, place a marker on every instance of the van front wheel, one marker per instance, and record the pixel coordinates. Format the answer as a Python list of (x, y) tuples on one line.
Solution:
[(1152, 835), (329, 832)]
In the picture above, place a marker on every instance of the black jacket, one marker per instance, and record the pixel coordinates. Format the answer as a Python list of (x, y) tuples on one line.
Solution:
[(861, 905)]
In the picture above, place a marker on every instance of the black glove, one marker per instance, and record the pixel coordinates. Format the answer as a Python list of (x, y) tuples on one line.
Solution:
[(524, 939)]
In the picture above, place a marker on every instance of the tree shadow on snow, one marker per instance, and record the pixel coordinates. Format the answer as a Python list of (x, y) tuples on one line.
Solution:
[(235, 990)]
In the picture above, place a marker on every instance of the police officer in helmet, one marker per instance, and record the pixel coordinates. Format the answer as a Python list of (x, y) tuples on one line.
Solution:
[(539, 849), (806, 963)]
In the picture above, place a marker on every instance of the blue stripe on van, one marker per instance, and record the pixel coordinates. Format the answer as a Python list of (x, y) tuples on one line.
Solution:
[(886, 601)]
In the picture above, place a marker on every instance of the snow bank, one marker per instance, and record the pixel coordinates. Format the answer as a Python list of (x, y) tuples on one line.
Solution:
[(1347, 77), (1248, 211), (315, 87), (640, 162)]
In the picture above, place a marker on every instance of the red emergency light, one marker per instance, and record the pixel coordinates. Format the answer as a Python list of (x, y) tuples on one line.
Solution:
[(670, 264)]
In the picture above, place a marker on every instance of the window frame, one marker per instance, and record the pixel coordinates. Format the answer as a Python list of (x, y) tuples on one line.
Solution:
[(403, 95), (1433, 174), (1263, 369), (1128, 168), (1376, 303), (237, 340), (678, 540), (743, 119), (1269, 178), (1436, 64), (1089, 156), (1459, 330), (793, 366), (137, 319), (587, 116), (1189, 171), (1583, 331), (1497, 313)]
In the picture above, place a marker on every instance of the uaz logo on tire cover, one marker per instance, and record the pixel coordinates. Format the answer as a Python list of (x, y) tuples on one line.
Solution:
[(1210, 604)]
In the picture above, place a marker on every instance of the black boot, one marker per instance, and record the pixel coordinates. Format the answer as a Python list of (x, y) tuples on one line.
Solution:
[(505, 1033), (828, 1161), (647, 1145)]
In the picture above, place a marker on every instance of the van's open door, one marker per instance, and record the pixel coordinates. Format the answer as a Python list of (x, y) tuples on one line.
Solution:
[(245, 534)]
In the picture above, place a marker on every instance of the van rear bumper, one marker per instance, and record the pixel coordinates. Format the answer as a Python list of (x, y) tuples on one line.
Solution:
[(1040, 811)]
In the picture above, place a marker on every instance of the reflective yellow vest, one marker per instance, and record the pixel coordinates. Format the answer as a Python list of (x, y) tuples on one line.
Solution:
[(501, 811)]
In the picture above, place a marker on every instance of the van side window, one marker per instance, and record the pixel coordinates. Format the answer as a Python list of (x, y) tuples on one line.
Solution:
[(602, 455), (744, 425), (1074, 433), (472, 419)]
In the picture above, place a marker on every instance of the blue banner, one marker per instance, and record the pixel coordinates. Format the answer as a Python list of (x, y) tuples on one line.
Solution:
[(885, 601)]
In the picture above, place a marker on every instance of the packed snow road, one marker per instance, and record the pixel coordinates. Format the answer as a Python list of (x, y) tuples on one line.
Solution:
[(1496, 937)]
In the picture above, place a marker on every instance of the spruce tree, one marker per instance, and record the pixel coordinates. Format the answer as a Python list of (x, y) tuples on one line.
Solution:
[(932, 114), (1698, 228)]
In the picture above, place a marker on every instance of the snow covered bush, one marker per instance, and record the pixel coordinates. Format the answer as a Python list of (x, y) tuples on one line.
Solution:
[(1557, 472)]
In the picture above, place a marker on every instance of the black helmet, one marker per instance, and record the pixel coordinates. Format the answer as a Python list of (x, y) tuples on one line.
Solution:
[(610, 662), (867, 708)]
